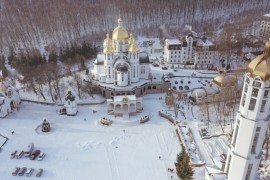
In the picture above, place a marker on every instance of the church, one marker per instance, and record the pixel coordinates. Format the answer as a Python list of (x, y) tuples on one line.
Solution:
[(9, 97), (121, 62)]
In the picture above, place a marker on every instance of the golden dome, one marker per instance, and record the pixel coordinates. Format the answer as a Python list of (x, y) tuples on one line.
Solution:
[(134, 48), (107, 45), (107, 41), (260, 66), (224, 80), (130, 38), (108, 49), (119, 33)]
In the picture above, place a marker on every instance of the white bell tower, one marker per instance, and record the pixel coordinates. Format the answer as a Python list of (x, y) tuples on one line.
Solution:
[(251, 121)]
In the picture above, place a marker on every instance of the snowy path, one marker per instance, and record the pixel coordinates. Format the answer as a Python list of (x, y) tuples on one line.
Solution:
[(197, 138), (112, 164)]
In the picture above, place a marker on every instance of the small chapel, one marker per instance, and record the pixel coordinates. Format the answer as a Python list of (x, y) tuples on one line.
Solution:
[(9, 97)]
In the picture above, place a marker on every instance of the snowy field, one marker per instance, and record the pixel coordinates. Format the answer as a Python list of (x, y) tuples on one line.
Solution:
[(84, 149)]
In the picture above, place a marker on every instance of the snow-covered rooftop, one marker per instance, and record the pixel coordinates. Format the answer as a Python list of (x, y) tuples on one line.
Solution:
[(201, 42), (120, 98), (173, 41)]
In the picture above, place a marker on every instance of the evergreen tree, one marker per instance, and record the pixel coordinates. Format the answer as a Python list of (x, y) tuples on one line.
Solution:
[(183, 169)]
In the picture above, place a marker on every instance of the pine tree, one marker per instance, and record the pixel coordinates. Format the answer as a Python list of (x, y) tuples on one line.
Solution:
[(183, 169)]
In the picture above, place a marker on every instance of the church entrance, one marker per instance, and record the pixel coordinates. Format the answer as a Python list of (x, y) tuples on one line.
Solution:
[(125, 111), (12, 105)]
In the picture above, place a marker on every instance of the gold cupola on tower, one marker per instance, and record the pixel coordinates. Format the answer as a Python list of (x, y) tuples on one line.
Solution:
[(119, 33), (130, 38), (108, 45), (133, 47), (260, 66), (107, 41)]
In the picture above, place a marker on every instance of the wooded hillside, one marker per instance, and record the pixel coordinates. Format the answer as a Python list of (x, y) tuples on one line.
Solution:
[(29, 23)]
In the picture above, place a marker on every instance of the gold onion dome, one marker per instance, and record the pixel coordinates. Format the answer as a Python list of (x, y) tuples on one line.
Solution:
[(108, 49), (107, 41), (107, 45), (134, 48), (260, 66), (223, 80), (130, 38), (119, 33)]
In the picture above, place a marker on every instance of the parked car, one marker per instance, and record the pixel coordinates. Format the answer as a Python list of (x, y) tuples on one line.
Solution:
[(154, 64), (19, 155), (15, 171), (39, 172), (164, 67), (12, 155), (34, 154), (29, 149), (22, 171), (29, 172), (41, 156)]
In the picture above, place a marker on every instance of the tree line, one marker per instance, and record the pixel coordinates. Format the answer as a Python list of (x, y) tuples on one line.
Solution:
[(28, 24), (43, 74)]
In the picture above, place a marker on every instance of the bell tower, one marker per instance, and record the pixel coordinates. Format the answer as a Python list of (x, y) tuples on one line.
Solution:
[(251, 121)]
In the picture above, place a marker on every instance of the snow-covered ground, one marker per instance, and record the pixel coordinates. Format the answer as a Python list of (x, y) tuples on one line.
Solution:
[(83, 149)]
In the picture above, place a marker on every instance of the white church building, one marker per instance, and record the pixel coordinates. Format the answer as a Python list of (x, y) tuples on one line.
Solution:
[(251, 121), (9, 98), (121, 62)]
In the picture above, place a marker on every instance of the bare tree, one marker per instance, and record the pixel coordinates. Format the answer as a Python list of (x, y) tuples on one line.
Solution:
[(78, 83), (204, 107)]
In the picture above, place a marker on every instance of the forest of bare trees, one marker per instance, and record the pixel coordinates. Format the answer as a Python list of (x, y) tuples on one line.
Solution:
[(28, 24)]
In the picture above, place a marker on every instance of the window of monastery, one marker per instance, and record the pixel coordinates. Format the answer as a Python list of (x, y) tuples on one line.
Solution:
[(266, 92), (263, 106), (256, 84), (248, 171), (246, 88), (243, 100), (247, 80), (258, 129), (254, 144), (252, 104), (255, 92)]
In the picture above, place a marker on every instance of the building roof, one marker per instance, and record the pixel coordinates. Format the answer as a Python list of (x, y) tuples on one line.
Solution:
[(204, 42), (144, 58), (260, 66), (224, 80), (120, 98), (173, 41), (267, 15), (120, 33)]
